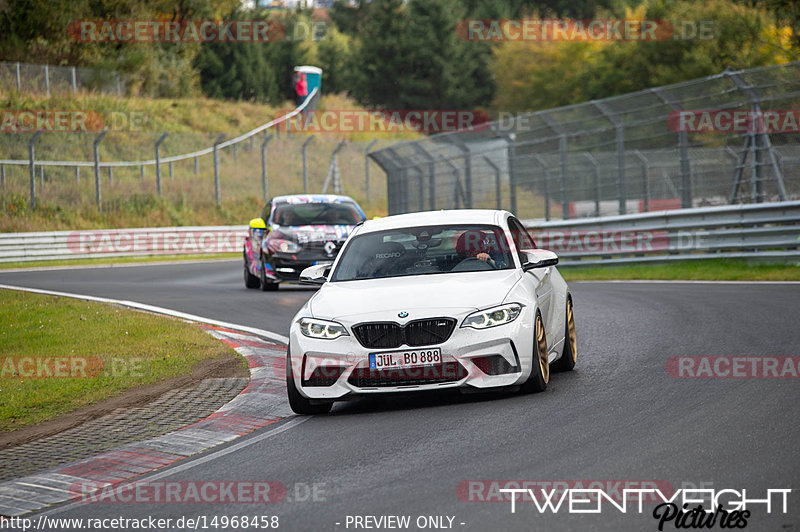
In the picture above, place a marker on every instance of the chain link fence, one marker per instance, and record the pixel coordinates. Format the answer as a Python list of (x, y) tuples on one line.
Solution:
[(48, 79), (115, 169), (670, 147)]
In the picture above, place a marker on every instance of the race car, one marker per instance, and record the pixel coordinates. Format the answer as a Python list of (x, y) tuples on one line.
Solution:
[(294, 232), (429, 301)]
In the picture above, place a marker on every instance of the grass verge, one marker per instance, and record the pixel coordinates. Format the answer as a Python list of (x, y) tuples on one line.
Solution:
[(61, 354), (103, 261), (699, 270)]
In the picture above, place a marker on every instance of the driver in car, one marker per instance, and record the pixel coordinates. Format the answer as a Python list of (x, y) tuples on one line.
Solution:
[(474, 244)]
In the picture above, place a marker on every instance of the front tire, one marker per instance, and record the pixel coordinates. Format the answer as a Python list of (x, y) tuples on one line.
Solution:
[(570, 354), (540, 370), (300, 404), (265, 284)]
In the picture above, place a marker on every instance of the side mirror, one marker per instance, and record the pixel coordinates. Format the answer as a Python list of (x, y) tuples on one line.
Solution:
[(316, 274), (257, 223), (537, 258)]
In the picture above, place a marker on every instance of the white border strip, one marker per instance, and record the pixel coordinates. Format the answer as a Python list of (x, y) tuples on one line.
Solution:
[(157, 310)]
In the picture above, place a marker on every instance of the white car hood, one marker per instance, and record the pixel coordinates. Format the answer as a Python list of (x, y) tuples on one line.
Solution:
[(419, 295)]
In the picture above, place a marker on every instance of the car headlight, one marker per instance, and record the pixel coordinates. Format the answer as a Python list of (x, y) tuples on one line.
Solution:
[(492, 317), (283, 246), (323, 329)]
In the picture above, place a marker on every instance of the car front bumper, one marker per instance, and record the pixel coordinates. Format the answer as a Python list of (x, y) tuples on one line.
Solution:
[(334, 369)]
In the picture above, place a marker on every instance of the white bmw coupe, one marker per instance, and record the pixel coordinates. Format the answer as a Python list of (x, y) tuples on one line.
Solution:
[(428, 301)]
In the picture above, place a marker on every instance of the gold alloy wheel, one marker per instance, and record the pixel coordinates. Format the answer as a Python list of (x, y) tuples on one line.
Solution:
[(541, 349), (573, 343)]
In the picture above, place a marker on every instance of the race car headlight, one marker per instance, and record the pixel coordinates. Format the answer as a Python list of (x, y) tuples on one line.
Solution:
[(492, 317), (322, 329), (283, 246)]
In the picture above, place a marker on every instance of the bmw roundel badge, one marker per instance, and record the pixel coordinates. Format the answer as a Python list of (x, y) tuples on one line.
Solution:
[(403, 314)]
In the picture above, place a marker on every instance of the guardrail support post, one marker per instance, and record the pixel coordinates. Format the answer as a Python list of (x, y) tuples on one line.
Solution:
[(47, 79), (96, 149), (3, 175), (41, 177), (171, 177), (19, 79), (77, 174), (366, 168), (216, 168), (267, 138), (110, 174), (74, 81), (305, 164), (235, 152), (31, 160), (196, 165), (141, 172), (158, 161)]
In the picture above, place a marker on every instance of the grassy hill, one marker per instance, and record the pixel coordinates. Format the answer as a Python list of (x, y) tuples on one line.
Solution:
[(67, 200)]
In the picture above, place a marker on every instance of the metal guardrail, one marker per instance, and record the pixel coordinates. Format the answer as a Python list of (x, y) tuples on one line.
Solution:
[(101, 243), (761, 231)]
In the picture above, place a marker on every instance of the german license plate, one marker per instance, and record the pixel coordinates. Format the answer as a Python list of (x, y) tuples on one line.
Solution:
[(405, 359)]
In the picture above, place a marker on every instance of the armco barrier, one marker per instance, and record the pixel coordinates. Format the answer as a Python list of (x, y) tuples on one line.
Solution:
[(19, 247), (764, 231), (769, 231)]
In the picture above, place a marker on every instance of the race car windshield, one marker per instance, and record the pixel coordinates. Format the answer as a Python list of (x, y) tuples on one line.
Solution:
[(293, 214), (424, 251)]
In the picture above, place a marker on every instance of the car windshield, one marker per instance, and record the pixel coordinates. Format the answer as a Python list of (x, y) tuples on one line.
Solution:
[(316, 214), (424, 250)]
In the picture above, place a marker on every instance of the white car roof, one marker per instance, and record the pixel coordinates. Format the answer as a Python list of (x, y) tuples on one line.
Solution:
[(449, 217)]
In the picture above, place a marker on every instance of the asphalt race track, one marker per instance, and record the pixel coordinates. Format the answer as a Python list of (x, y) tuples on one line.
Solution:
[(618, 416)]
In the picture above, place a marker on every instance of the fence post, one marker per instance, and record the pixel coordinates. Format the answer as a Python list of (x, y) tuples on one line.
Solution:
[(467, 174), (77, 174), (31, 159), (305, 166), (41, 177), (141, 172), (216, 167), (595, 181), (645, 179), (333, 170), (196, 165), (96, 148), (19, 79), (119, 86), (110, 174), (3, 175), (498, 194), (366, 168), (267, 137), (74, 81), (683, 150), (562, 151), (235, 151), (158, 161), (511, 150), (47, 79), (543, 165), (170, 171), (431, 175)]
